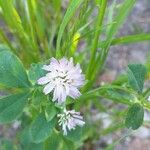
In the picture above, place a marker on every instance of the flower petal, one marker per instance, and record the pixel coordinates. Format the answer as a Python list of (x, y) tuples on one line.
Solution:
[(55, 95), (43, 80), (48, 88), (74, 92), (47, 67)]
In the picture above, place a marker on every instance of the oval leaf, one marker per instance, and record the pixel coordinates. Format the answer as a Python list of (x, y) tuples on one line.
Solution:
[(26, 144), (41, 129), (12, 106), (136, 76), (12, 72), (135, 116)]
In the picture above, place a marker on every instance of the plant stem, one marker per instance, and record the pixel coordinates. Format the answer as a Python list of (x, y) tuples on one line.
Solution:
[(97, 34), (98, 92), (128, 39)]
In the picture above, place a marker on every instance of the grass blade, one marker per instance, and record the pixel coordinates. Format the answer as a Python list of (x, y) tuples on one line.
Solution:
[(127, 39), (102, 8), (131, 39), (119, 19), (74, 4)]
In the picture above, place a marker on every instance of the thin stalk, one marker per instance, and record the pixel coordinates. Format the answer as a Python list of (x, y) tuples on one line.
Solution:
[(32, 26), (130, 39), (98, 92), (98, 66), (99, 22)]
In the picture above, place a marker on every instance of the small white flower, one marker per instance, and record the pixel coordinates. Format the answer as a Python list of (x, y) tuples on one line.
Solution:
[(69, 120), (63, 78)]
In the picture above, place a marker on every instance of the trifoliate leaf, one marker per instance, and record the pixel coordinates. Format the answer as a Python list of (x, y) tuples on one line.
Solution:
[(135, 115)]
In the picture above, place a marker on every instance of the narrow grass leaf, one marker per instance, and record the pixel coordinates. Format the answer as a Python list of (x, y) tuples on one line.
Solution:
[(74, 4), (11, 16), (123, 12)]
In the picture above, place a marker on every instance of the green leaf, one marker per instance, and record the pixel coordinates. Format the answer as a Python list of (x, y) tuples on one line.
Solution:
[(57, 142), (112, 92), (50, 112), (75, 135), (41, 129), (131, 39), (12, 72), (12, 106), (110, 15), (35, 72), (11, 16), (3, 47), (123, 12), (6, 144), (54, 142), (117, 95), (78, 135), (26, 143), (135, 115), (74, 4), (38, 97), (136, 76), (67, 145)]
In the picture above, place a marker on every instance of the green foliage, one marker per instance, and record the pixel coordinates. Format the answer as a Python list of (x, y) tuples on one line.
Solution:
[(57, 141), (12, 72), (117, 95), (135, 115), (69, 13), (26, 141), (50, 112), (131, 39), (35, 72), (10, 12), (12, 106), (41, 129), (118, 20), (75, 135), (136, 76), (6, 144), (38, 97), (42, 29), (114, 93), (123, 12)]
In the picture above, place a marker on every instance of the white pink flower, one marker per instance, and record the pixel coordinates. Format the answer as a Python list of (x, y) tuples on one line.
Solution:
[(69, 120), (63, 79)]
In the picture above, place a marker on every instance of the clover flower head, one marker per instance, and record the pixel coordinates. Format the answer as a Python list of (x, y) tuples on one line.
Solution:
[(69, 120), (63, 79)]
